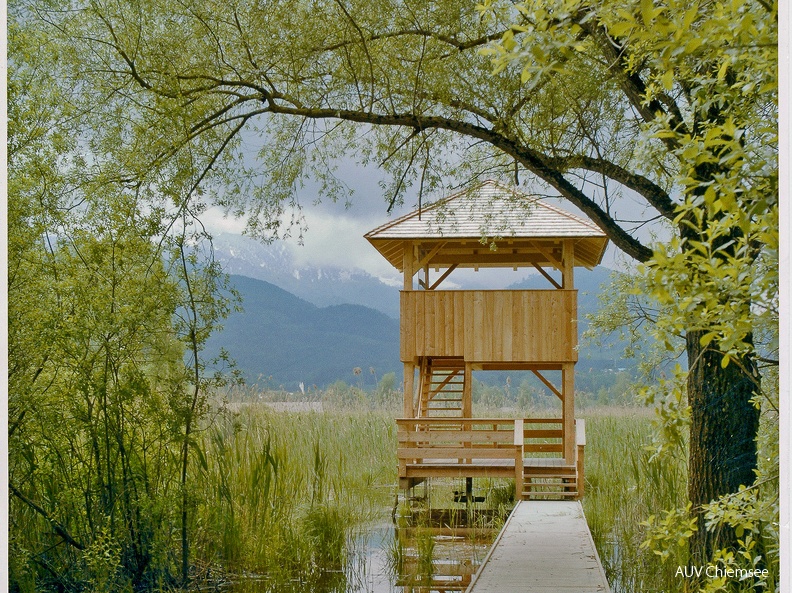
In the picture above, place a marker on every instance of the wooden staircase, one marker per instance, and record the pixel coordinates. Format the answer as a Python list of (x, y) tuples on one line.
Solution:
[(550, 482), (442, 387), (463, 447), (553, 478), (546, 475)]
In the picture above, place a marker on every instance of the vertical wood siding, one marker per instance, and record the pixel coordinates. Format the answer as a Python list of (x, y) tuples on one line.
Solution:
[(490, 325)]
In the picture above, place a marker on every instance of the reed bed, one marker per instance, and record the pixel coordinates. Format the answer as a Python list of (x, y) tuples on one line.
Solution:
[(283, 497), (281, 493), (624, 485)]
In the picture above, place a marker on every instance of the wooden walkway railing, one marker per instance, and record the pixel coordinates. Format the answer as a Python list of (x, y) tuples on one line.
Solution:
[(522, 448)]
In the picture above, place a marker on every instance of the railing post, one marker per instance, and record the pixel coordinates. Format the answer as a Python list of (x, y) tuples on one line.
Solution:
[(580, 442), (409, 409), (568, 410), (519, 443)]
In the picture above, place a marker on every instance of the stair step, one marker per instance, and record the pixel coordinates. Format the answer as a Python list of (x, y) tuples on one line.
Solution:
[(549, 471), (544, 495), (528, 484), (442, 387), (555, 482)]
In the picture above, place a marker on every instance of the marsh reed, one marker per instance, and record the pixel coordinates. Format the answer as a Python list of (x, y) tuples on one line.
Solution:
[(280, 493), (624, 485), (282, 497)]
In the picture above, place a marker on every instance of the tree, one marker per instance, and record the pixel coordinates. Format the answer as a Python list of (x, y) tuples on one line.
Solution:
[(603, 103), (106, 295), (704, 83)]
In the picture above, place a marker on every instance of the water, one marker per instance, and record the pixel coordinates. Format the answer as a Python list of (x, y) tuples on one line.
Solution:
[(384, 558)]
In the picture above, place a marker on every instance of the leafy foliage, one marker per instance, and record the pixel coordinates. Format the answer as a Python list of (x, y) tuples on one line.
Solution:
[(703, 78), (100, 322)]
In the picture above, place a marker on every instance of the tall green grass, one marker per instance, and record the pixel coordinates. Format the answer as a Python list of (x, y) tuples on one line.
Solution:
[(279, 492), (624, 486), (283, 497)]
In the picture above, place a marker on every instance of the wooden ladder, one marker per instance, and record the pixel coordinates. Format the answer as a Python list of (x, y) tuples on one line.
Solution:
[(442, 387)]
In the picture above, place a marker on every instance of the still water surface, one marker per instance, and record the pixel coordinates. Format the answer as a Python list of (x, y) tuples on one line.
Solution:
[(387, 559)]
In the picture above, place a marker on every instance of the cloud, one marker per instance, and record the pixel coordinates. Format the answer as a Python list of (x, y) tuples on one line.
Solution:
[(337, 240), (216, 222), (330, 239)]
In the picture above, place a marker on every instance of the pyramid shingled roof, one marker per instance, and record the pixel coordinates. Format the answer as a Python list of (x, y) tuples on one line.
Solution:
[(488, 210), (491, 213)]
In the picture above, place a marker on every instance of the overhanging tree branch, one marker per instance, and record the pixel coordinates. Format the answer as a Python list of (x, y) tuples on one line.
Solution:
[(653, 193), (531, 160), (419, 32)]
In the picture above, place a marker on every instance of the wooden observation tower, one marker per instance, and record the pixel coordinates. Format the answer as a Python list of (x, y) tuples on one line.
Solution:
[(446, 335)]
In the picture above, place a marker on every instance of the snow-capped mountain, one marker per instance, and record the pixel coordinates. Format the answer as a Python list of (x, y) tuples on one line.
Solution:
[(321, 286)]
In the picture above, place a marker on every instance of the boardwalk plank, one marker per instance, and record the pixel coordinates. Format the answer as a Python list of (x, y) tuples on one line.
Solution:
[(545, 547)]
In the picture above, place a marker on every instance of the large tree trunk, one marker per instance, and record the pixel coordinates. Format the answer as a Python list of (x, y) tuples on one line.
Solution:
[(724, 424)]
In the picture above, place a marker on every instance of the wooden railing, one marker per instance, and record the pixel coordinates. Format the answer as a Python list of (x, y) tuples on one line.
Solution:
[(580, 445), (444, 438), (432, 446), (539, 435), (440, 445), (544, 436), (490, 325)]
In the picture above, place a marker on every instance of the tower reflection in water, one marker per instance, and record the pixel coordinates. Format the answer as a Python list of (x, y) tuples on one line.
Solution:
[(440, 550)]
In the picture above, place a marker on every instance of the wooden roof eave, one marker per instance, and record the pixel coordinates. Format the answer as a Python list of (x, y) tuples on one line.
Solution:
[(469, 252)]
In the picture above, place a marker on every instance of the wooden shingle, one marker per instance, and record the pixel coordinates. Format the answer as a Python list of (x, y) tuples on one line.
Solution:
[(493, 224)]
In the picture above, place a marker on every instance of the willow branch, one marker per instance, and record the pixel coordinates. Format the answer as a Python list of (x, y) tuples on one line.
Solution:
[(56, 526), (653, 193), (537, 163)]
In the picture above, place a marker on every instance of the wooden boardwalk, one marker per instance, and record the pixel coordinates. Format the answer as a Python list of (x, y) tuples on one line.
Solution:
[(544, 547)]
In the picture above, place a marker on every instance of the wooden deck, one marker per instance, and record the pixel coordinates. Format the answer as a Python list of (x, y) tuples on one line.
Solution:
[(544, 547)]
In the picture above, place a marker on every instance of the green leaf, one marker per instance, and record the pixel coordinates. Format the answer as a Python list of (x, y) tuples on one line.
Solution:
[(621, 29), (647, 12), (668, 80)]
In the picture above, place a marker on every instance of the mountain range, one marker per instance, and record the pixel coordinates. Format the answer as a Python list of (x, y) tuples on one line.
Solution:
[(281, 340), (322, 286)]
